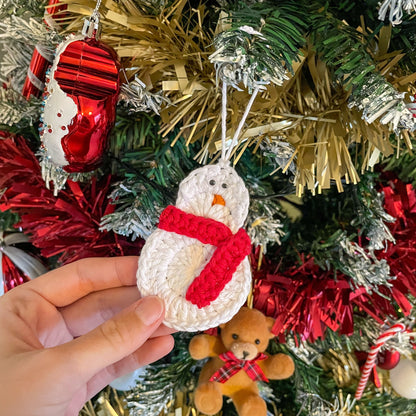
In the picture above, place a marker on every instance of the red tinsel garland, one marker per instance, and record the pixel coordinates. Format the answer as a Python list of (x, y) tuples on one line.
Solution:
[(400, 202), (66, 225), (306, 300)]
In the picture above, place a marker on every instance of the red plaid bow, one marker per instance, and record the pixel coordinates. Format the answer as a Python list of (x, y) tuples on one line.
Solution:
[(233, 365)]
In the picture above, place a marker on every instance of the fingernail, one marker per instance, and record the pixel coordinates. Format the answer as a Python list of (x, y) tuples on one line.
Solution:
[(149, 309)]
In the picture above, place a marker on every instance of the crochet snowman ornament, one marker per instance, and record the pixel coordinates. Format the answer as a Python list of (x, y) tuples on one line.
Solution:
[(196, 260)]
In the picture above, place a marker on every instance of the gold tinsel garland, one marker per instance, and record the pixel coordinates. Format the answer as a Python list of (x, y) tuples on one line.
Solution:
[(169, 52), (110, 402)]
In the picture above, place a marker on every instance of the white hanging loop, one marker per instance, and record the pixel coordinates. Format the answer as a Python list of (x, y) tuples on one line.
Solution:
[(396, 12), (226, 155), (224, 121), (242, 121)]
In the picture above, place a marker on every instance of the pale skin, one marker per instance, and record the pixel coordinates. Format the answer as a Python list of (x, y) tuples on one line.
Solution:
[(67, 334)]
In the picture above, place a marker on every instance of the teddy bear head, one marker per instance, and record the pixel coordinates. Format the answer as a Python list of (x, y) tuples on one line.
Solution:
[(247, 333)]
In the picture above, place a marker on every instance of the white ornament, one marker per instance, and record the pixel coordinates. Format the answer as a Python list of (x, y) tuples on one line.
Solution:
[(128, 381), (60, 110), (403, 378), (169, 262)]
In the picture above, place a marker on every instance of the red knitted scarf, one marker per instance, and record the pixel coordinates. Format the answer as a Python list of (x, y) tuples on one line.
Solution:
[(233, 365), (231, 251)]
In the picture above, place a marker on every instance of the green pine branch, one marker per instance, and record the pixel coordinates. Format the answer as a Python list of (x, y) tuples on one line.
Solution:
[(347, 51), (7, 220), (163, 379), (264, 40)]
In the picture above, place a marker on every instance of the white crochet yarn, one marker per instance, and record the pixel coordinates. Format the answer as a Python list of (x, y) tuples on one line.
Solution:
[(169, 262)]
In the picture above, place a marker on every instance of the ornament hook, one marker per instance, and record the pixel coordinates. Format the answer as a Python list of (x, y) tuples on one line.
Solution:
[(92, 26)]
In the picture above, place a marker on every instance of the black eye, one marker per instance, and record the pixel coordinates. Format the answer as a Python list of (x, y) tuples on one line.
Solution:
[(212, 182), (257, 341), (235, 336), (224, 185)]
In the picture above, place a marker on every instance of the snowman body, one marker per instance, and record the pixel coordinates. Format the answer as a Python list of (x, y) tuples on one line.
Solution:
[(170, 261)]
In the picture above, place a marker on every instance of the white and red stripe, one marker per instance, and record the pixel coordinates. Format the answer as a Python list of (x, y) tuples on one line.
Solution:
[(371, 359)]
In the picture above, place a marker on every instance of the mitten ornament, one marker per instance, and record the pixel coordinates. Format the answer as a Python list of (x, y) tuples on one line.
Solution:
[(79, 104), (197, 258)]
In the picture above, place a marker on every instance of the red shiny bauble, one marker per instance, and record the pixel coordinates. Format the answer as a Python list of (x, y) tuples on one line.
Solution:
[(80, 103), (388, 359)]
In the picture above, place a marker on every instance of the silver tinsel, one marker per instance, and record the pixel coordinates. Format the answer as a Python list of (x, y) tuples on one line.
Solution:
[(18, 38), (235, 63), (157, 390), (262, 224), (378, 99), (14, 109), (57, 175), (16, 7), (396, 10), (363, 266), (378, 233), (135, 96), (316, 405), (27, 32), (279, 152), (156, 5), (14, 64), (366, 332), (134, 220)]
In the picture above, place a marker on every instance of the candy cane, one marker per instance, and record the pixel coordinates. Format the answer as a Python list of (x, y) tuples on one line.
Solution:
[(369, 364)]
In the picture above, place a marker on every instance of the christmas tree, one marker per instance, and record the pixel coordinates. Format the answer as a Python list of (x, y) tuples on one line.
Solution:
[(314, 104)]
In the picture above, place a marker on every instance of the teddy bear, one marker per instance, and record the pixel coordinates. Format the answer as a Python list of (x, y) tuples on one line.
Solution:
[(238, 360)]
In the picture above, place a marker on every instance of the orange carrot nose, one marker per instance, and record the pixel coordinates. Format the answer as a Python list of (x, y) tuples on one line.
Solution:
[(218, 199)]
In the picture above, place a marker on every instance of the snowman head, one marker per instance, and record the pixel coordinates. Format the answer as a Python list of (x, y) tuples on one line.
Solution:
[(215, 191)]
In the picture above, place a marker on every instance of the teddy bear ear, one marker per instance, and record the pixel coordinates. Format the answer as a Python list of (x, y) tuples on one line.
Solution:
[(270, 323)]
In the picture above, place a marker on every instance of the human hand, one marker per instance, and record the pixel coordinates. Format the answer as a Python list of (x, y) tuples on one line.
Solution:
[(65, 335)]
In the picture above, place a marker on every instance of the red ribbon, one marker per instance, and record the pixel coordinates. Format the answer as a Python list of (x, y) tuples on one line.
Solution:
[(231, 251), (233, 365)]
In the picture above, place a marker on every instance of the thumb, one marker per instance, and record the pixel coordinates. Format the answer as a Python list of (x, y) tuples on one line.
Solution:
[(115, 339)]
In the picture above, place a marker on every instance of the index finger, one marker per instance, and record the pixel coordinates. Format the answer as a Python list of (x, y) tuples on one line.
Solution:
[(65, 285)]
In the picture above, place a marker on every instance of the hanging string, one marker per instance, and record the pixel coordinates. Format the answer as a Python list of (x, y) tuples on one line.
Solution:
[(224, 120), (396, 11), (241, 124)]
